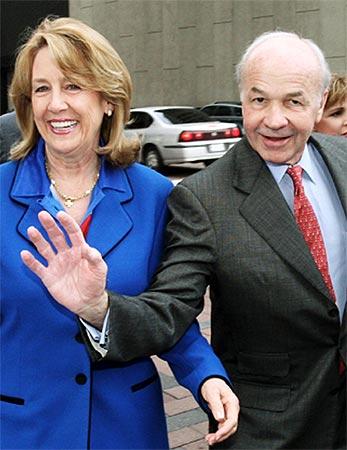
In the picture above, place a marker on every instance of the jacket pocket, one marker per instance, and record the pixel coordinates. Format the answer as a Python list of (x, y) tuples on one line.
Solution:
[(262, 396), (263, 364), (138, 386), (14, 400)]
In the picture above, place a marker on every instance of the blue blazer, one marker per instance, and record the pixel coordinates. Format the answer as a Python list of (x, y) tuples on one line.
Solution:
[(52, 395)]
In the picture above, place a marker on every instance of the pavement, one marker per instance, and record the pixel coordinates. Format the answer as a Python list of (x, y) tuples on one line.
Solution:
[(187, 423)]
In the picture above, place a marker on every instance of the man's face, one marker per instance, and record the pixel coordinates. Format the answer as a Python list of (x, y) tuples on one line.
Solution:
[(282, 100)]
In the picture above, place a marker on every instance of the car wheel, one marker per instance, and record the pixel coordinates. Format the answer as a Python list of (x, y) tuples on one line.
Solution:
[(153, 159)]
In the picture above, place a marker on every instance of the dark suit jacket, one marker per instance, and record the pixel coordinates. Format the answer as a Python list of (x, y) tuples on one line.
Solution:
[(273, 323)]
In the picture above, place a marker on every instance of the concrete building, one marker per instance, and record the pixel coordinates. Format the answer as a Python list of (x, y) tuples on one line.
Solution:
[(185, 51)]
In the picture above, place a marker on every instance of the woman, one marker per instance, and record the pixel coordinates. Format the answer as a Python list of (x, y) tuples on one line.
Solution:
[(334, 120), (71, 92)]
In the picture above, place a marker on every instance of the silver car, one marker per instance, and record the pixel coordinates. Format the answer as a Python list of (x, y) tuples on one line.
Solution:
[(180, 134)]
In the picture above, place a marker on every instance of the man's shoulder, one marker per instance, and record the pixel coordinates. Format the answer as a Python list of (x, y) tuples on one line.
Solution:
[(8, 123), (9, 134), (8, 117), (223, 169), (329, 142), (332, 148)]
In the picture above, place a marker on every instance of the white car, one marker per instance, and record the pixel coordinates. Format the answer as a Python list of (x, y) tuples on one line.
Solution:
[(179, 134)]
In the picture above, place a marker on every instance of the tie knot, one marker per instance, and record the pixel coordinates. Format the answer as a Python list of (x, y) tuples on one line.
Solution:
[(295, 173)]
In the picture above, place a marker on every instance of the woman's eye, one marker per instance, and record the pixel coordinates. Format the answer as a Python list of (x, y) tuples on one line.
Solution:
[(41, 89), (73, 87), (336, 113)]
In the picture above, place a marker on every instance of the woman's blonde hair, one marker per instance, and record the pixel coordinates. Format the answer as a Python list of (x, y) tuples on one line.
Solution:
[(337, 90), (86, 58)]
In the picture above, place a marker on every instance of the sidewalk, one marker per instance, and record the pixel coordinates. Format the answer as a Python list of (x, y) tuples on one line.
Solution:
[(187, 423)]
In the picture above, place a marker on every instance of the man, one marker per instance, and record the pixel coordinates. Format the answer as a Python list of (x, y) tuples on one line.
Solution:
[(278, 296), (9, 134)]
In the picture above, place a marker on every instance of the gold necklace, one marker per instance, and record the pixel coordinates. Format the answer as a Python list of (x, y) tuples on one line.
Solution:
[(69, 200)]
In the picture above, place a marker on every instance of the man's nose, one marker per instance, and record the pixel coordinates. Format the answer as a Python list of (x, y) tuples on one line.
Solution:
[(275, 117)]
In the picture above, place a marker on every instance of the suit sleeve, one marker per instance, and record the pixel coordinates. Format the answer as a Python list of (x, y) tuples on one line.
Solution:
[(154, 321)]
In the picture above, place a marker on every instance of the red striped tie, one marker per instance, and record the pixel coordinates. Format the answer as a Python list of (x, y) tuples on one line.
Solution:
[(309, 226)]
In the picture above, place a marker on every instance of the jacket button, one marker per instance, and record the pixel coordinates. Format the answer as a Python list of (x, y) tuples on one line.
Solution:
[(81, 378), (79, 338)]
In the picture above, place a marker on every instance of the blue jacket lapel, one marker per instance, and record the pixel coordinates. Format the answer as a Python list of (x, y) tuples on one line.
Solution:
[(110, 222), (30, 187)]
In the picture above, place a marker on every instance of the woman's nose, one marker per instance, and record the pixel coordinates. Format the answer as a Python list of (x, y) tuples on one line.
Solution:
[(57, 101)]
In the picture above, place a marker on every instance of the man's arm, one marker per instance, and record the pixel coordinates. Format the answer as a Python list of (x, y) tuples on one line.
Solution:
[(153, 321)]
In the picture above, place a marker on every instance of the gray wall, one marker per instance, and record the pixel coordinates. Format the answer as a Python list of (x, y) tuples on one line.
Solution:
[(185, 51)]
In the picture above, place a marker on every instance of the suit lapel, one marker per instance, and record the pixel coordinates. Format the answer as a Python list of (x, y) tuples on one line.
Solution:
[(30, 188), (267, 212), (30, 219), (110, 223)]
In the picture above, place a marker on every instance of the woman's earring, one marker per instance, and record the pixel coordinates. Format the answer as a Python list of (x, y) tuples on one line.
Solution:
[(109, 112)]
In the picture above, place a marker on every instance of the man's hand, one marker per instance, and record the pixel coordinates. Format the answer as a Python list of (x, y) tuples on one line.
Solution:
[(224, 406), (75, 275)]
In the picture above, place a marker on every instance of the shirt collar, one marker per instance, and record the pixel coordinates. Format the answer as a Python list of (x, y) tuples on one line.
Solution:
[(306, 162)]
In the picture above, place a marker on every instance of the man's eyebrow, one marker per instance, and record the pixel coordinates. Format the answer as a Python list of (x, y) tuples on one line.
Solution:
[(257, 90), (298, 93), (295, 94)]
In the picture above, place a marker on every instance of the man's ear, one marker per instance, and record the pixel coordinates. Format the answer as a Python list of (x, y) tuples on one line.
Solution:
[(322, 105)]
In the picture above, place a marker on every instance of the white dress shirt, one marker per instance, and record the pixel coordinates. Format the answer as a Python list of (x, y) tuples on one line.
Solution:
[(321, 192)]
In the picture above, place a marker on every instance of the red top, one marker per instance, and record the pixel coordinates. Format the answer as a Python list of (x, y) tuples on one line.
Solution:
[(85, 225)]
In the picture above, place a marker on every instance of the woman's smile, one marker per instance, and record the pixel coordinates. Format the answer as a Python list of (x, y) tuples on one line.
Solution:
[(62, 127)]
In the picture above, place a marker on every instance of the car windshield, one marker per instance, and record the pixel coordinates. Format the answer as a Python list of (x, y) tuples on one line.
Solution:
[(183, 115)]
